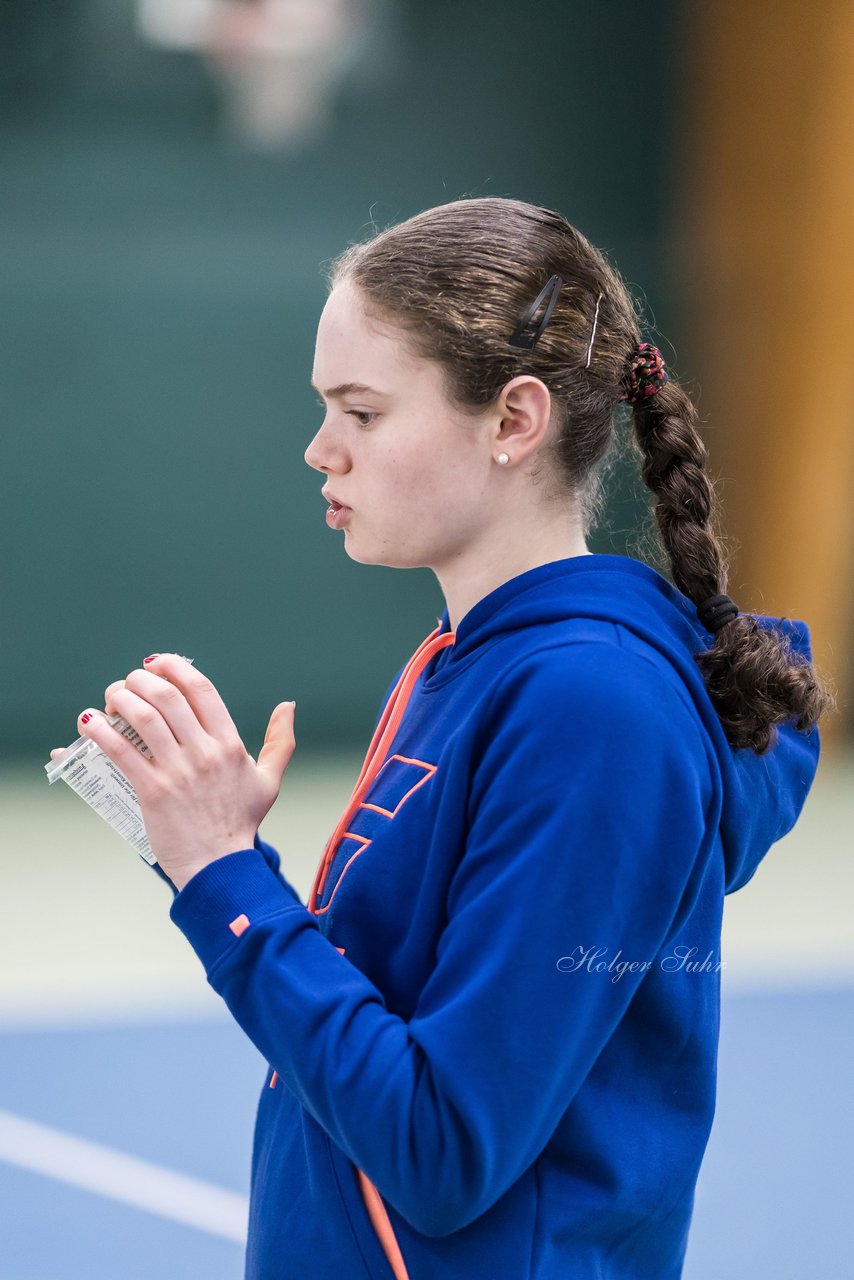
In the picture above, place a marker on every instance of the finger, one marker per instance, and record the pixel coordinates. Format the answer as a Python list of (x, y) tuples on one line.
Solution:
[(169, 701), (57, 751), (149, 723), (108, 693), (133, 764), (209, 708), (279, 744)]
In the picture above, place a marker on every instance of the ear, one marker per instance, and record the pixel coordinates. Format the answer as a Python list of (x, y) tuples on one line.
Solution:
[(523, 411)]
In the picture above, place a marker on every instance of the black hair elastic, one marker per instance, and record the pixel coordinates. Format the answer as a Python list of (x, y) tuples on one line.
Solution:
[(526, 336), (716, 612)]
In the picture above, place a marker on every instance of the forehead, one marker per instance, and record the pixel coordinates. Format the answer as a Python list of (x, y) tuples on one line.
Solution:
[(355, 347)]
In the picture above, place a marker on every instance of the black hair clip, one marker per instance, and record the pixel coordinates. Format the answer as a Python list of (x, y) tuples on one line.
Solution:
[(526, 336)]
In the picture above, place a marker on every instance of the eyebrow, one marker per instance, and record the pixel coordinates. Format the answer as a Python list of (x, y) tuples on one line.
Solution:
[(347, 389)]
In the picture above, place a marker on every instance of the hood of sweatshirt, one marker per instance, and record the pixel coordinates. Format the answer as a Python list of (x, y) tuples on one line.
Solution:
[(762, 795)]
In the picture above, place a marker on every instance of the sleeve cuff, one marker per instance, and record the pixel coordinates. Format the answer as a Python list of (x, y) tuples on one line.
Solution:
[(271, 857), (221, 901)]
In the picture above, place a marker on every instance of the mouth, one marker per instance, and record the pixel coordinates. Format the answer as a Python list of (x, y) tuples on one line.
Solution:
[(333, 501), (336, 512)]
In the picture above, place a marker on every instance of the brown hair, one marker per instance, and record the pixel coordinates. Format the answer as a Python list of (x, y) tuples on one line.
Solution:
[(455, 279)]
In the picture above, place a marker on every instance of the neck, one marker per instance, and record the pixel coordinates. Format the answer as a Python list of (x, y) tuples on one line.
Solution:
[(482, 569)]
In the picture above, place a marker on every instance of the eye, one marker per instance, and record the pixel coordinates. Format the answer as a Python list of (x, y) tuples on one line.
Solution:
[(361, 413)]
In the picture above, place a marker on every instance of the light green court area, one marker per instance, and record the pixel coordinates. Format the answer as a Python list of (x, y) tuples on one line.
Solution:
[(87, 932), (87, 937)]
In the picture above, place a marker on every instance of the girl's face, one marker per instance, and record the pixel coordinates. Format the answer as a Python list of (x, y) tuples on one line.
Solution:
[(415, 472)]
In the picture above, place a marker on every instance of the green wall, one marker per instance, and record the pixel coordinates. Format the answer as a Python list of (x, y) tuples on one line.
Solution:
[(160, 291)]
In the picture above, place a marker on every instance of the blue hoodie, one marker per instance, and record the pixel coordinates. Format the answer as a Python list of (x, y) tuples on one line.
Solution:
[(493, 1029)]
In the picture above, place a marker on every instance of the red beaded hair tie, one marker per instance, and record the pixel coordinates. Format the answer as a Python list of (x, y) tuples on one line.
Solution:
[(645, 374)]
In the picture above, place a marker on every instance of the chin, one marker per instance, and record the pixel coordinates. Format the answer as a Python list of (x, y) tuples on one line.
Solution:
[(388, 559), (359, 556)]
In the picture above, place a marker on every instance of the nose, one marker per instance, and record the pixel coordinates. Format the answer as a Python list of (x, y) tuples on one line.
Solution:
[(324, 453), (311, 453)]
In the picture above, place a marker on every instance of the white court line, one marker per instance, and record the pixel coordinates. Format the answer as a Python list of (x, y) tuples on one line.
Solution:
[(110, 1173)]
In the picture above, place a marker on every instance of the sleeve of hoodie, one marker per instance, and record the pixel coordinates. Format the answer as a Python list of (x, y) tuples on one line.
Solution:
[(268, 853), (586, 819)]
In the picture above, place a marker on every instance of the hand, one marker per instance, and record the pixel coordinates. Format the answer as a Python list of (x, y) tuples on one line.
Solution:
[(202, 796)]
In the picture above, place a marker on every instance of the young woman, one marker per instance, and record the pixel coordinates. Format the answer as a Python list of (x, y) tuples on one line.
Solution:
[(492, 1029)]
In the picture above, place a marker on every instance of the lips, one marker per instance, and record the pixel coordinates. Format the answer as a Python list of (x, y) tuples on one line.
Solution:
[(331, 499)]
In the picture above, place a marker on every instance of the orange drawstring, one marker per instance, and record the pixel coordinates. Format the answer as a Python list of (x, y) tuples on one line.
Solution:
[(374, 760), (378, 750)]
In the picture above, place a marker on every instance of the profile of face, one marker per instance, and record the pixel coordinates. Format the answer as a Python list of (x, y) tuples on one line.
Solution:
[(417, 472)]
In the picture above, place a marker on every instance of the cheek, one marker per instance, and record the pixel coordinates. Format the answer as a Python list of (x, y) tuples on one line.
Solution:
[(423, 486), (402, 472), (434, 475)]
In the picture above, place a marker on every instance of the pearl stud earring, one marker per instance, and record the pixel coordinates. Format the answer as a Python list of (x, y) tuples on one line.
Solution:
[(504, 457)]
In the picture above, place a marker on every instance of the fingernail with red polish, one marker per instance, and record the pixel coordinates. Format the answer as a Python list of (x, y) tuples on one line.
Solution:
[(85, 719), (151, 658)]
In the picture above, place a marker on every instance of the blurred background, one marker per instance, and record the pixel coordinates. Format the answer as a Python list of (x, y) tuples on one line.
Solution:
[(174, 174)]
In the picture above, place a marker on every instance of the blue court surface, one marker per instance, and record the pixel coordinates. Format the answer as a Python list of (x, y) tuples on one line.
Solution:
[(773, 1198), (181, 1098)]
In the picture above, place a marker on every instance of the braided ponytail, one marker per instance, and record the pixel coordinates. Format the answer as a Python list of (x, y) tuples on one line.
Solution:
[(753, 677)]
